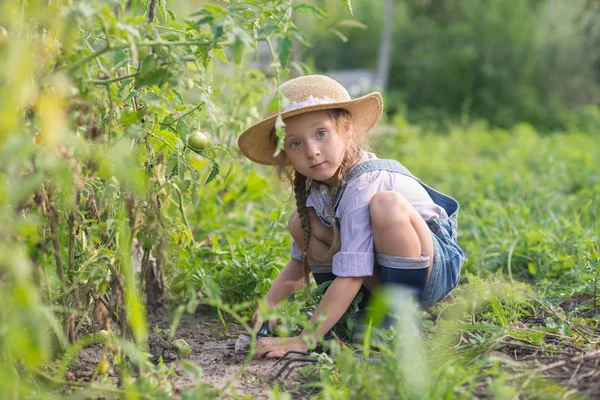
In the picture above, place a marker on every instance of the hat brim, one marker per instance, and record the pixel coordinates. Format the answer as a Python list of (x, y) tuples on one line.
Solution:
[(255, 142)]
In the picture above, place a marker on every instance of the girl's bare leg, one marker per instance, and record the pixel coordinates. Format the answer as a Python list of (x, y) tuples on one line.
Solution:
[(398, 230)]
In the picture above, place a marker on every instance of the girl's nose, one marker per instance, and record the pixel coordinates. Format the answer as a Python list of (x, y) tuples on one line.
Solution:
[(312, 150)]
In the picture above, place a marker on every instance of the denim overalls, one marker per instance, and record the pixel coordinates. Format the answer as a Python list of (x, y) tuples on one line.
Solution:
[(448, 256)]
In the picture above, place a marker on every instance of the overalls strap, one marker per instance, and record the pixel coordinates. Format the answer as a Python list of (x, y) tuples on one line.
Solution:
[(368, 166), (446, 202)]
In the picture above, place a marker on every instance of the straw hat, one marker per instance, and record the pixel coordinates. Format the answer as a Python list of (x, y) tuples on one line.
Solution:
[(305, 94)]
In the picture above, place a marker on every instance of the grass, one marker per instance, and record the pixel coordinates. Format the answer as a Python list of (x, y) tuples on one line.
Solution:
[(528, 297), (523, 323)]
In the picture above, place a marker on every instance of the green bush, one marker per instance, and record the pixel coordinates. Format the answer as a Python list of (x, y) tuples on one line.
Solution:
[(531, 61)]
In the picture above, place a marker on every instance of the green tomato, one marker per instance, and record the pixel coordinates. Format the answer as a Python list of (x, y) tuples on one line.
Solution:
[(127, 110), (197, 141), (128, 116), (182, 348), (103, 333), (143, 52), (188, 84), (3, 33)]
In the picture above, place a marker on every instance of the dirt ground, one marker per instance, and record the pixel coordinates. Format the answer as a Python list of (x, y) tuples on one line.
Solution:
[(212, 349)]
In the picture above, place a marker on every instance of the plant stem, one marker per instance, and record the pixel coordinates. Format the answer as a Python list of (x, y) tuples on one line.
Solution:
[(107, 81), (185, 220), (151, 11), (108, 48), (184, 115), (162, 140)]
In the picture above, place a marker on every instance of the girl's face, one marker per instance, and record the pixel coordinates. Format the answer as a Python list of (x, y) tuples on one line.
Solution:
[(313, 146)]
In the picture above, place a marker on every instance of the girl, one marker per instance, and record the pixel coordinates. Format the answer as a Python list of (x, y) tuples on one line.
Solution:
[(359, 221)]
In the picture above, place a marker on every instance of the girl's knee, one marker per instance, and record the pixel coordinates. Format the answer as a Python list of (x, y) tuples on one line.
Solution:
[(389, 208)]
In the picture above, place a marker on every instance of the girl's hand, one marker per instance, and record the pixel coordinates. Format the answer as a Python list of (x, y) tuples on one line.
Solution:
[(277, 347)]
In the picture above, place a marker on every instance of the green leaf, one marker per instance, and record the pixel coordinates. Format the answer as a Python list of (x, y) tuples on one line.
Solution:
[(221, 54), (195, 195), (339, 34), (273, 103), (213, 173), (191, 369), (353, 23), (284, 49), (311, 9), (216, 10), (151, 72), (181, 168), (532, 269), (149, 64), (195, 176), (348, 5), (171, 168), (550, 323), (186, 184), (178, 95), (130, 118), (300, 37), (151, 98), (182, 128), (54, 325), (157, 77), (171, 36), (201, 12), (242, 42), (205, 20), (350, 323), (162, 4), (120, 55), (238, 48)]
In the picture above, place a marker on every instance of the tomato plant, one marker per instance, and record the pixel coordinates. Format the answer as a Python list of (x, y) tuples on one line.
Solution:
[(103, 161)]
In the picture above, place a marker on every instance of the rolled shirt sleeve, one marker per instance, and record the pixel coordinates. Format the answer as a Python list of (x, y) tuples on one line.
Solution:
[(356, 257)]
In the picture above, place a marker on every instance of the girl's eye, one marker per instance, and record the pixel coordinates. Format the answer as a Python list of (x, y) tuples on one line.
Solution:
[(294, 144), (321, 133)]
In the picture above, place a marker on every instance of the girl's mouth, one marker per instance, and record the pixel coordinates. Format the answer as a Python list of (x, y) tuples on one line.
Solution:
[(320, 165)]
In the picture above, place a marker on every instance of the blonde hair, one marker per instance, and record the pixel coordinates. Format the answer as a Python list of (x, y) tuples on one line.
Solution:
[(354, 144)]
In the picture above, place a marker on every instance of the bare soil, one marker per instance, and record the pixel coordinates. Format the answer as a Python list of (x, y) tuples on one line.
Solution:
[(212, 349), (573, 362)]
